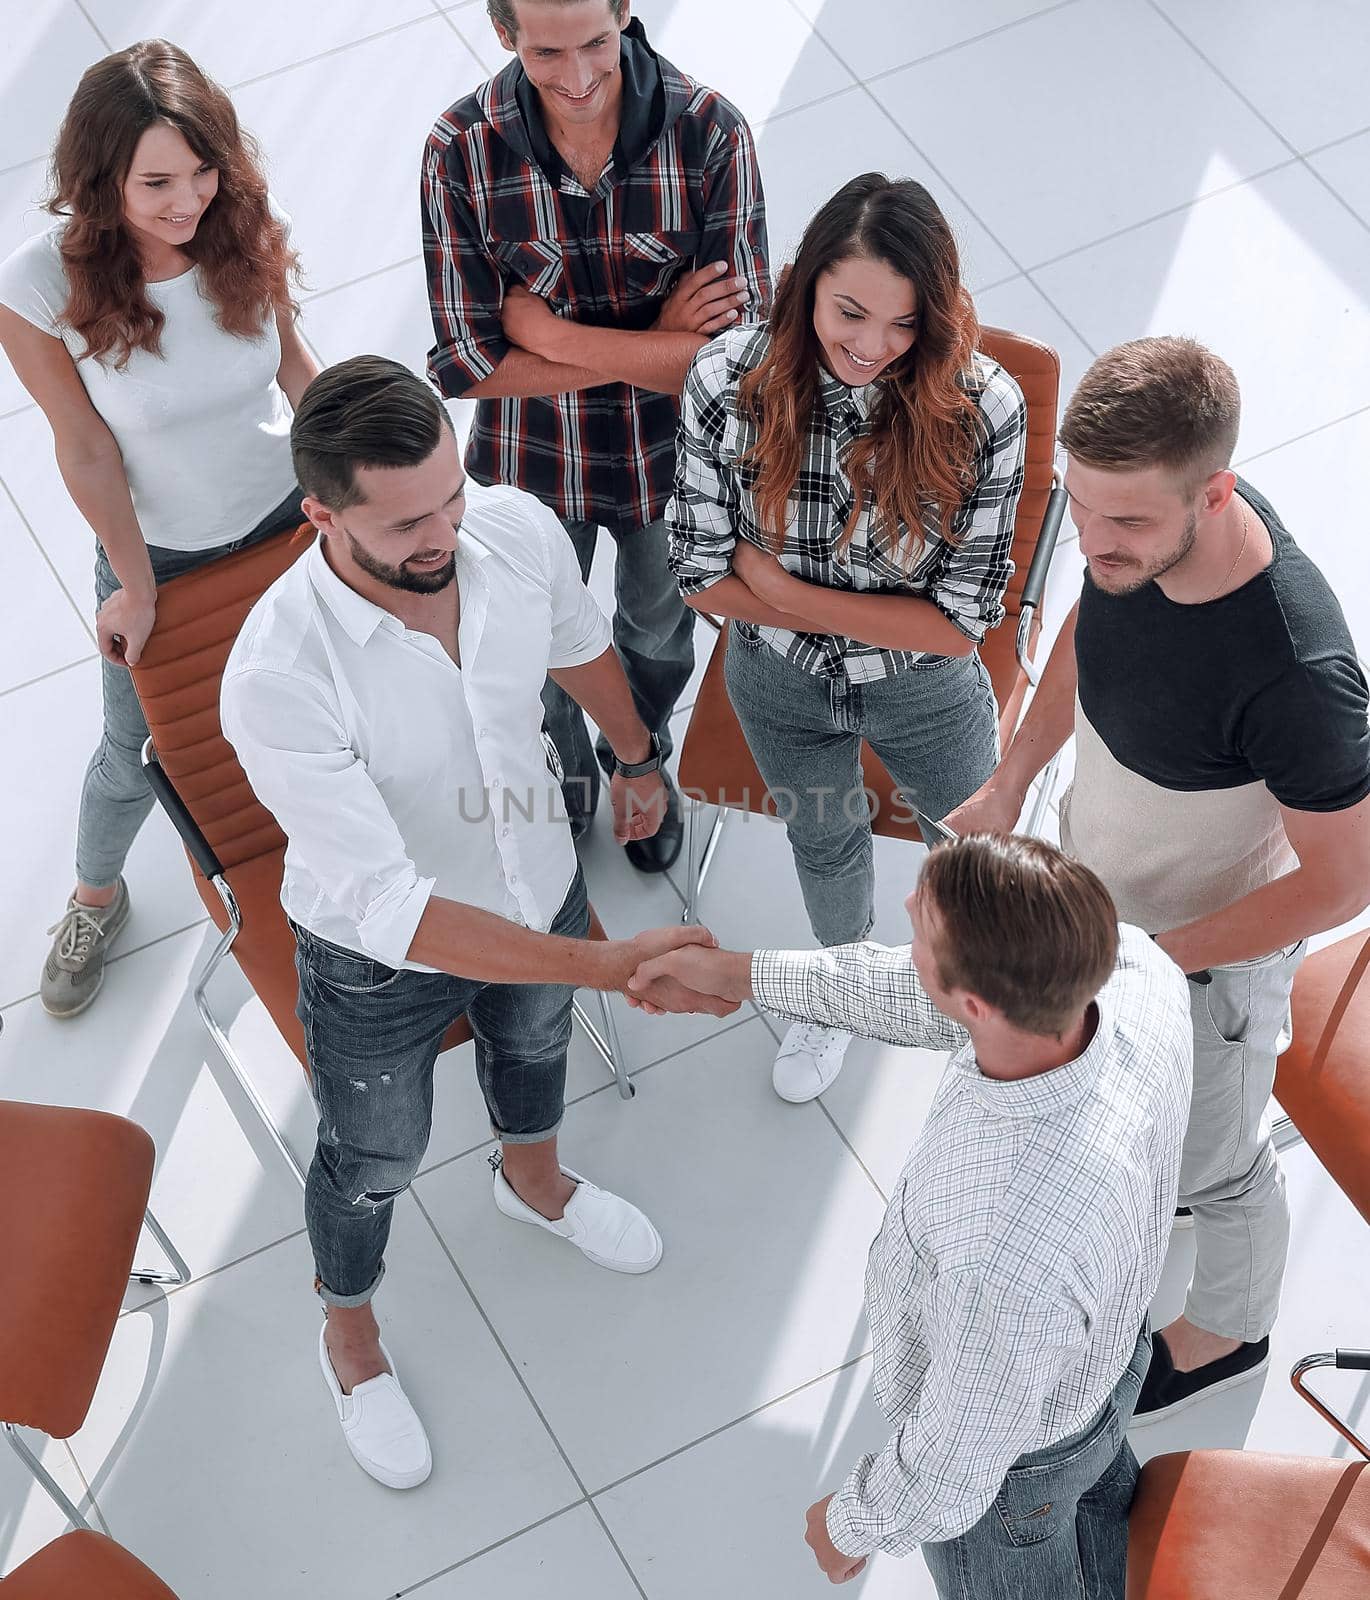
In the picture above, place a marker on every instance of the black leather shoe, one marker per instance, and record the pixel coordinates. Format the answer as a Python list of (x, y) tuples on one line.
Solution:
[(1166, 1391), (662, 849)]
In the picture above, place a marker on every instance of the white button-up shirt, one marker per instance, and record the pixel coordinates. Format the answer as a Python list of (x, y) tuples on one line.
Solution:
[(395, 774), (1023, 1243)]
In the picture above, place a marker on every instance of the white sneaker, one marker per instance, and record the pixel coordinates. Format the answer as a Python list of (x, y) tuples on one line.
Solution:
[(808, 1061), (605, 1229), (381, 1428)]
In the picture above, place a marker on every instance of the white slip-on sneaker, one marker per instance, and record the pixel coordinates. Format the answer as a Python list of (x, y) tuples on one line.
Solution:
[(808, 1061), (604, 1228), (381, 1428)]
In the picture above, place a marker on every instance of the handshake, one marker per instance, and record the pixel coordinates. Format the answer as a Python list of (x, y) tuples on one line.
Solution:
[(682, 970)]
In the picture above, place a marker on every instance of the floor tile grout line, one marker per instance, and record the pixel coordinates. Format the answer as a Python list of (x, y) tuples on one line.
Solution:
[(951, 188), (961, 44), (1221, 76), (456, 1566), (1331, 144), (1322, 427), (525, 1386), (123, 955), (157, 1294), (47, 559), (31, 405), (841, 1134), (747, 1416), (334, 50), (28, 161), (1160, 216), (309, 298), (43, 677), (466, 43), (1255, 110), (95, 27)]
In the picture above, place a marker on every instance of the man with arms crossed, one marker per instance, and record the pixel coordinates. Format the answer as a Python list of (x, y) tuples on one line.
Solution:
[(591, 217), (384, 699), (1221, 790), (1008, 1289)]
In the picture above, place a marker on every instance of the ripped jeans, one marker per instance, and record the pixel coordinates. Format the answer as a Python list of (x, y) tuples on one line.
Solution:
[(373, 1035)]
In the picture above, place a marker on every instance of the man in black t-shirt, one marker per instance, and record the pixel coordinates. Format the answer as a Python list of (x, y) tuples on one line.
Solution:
[(1221, 790)]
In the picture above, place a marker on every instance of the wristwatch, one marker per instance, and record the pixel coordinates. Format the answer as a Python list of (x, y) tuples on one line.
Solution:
[(640, 769)]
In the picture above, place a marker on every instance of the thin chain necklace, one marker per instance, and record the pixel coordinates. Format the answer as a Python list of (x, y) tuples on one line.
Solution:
[(1246, 532)]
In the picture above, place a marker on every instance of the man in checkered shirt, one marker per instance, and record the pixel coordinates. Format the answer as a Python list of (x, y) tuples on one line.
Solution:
[(1009, 1287), (591, 217)]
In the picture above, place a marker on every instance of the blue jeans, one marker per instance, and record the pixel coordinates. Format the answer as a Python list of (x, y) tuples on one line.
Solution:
[(372, 1034), (1058, 1528), (115, 798), (654, 637), (935, 726)]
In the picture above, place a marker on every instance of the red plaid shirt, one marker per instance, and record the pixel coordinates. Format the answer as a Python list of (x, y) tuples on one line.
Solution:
[(499, 207)]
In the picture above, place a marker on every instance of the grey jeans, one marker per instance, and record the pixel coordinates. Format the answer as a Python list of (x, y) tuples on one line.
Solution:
[(1058, 1528), (935, 726), (1230, 1175), (654, 636), (115, 798)]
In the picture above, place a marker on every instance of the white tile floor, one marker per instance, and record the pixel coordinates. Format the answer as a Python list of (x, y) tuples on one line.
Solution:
[(1114, 167)]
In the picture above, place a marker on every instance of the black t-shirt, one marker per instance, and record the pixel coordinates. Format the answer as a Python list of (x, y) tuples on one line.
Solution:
[(1260, 685)]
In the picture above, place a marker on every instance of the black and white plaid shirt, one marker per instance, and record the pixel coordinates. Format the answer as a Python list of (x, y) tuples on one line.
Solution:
[(500, 207), (1023, 1243), (713, 507)]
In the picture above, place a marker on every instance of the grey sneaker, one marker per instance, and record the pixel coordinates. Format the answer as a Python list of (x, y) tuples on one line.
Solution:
[(75, 967)]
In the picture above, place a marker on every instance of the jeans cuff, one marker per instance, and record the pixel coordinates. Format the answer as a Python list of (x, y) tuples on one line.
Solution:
[(345, 1301), (527, 1138)]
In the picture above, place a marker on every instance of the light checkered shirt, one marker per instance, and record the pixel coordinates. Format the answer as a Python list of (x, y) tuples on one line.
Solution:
[(1023, 1243), (713, 507)]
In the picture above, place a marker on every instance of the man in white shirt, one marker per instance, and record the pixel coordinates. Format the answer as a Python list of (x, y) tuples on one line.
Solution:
[(384, 698), (1008, 1289)]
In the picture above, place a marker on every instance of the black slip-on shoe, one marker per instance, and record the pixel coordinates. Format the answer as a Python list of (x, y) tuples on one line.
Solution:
[(1166, 1391), (1184, 1217)]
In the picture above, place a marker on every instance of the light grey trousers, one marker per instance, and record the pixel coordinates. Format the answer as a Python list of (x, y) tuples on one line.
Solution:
[(1230, 1174)]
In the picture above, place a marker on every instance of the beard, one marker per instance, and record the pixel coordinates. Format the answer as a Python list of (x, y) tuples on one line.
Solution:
[(1136, 575), (431, 580)]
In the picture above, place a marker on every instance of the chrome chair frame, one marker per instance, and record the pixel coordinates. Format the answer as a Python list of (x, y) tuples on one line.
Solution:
[(604, 1039), (697, 864), (1343, 1360)]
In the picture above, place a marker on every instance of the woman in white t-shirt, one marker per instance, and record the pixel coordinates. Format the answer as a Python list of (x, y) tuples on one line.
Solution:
[(153, 324)]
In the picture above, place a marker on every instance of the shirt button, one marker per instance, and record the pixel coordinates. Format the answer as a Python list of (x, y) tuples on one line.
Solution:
[(504, 833), (496, 783), (513, 880)]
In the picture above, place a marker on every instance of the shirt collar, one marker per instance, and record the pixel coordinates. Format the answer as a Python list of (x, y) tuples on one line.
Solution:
[(1048, 1092), (838, 396), (355, 614)]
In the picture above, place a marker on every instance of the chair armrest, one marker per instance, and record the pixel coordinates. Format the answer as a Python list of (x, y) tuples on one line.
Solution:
[(1344, 1360), (200, 848), (1034, 585)]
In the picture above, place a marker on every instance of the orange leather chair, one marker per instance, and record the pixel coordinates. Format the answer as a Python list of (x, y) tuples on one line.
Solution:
[(68, 1257), (1217, 1524), (236, 848), (84, 1565), (716, 766)]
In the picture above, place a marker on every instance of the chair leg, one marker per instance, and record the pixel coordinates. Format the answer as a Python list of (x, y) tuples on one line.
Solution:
[(45, 1478), (697, 868), (180, 1272), (607, 1044), (1284, 1134), (221, 1039)]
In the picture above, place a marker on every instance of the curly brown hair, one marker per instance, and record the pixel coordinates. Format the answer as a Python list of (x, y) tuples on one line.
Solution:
[(924, 425), (239, 246)]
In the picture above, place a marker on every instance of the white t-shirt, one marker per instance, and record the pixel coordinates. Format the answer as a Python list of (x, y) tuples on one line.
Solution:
[(204, 428)]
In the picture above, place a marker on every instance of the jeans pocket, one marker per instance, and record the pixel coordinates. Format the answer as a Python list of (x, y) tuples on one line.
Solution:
[(1039, 1500), (345, 971)]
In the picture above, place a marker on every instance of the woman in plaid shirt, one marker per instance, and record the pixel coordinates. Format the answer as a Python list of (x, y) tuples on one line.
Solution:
[(846, 483)]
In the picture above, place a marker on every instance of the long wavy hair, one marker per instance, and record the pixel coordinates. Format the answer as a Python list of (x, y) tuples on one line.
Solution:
[(239, 247), (918, 456)]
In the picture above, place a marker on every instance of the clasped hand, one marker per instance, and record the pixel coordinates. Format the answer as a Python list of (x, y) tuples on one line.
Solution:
[(691, 977), (764, 575)]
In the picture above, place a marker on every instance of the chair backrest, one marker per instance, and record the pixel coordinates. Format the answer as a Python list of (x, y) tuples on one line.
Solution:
[(85, 1566), (78, 1182), (198, 618), (1323, 1078), (715, 762)]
